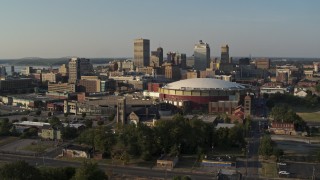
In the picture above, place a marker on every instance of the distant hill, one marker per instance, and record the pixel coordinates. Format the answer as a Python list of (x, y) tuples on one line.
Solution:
[(35, 61)]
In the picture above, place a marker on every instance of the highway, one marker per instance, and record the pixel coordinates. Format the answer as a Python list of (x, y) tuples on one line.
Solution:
[(122, 170)]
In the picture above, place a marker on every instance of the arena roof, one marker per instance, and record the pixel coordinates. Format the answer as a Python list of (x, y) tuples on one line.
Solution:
[(203, 84)]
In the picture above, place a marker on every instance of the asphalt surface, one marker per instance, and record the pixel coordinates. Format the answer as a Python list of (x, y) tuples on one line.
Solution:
[(124, 170)]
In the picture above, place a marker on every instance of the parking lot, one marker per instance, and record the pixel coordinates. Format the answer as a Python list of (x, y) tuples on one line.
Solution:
[(300, 170)]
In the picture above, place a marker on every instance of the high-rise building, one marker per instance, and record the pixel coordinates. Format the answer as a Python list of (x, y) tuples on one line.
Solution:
[(263, 63), (171, 71), (156, 57), (12, 70), (3, 71), (141, 52), (225, 54), (63, 70), (201, 56), (79, 67), (89, 85)]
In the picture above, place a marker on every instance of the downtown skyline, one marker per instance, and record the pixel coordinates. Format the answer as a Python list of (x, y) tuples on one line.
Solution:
[(108, 28)]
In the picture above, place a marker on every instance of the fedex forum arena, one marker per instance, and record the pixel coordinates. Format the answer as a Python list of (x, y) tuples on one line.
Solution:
[(198, 92)]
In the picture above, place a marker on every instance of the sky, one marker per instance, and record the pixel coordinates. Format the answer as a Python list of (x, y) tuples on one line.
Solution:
[(107, 28)]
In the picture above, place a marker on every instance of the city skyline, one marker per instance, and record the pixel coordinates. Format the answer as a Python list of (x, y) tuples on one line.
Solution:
[(108, 28)]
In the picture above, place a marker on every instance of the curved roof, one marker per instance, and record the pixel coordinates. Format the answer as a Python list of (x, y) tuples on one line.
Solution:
[(203, 84)]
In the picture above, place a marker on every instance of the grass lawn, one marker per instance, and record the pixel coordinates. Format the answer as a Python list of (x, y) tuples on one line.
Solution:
[(310, 116), (39, 148), (7, 140), (268, 169)]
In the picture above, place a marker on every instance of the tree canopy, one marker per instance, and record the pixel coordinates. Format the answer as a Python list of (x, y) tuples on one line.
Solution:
[(90, 171)]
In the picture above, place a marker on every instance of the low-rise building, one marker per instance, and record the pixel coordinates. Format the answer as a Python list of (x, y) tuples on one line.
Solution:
[(77, 151), (282, 128), (222, 106), (272, 90), (167, 162), (49, 133), (300, 92)]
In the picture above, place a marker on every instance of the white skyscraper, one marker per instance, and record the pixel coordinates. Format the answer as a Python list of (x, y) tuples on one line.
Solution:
[(201, 56)]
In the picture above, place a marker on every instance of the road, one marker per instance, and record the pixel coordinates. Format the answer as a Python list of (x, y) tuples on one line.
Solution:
[(123, 170), (250, 166)]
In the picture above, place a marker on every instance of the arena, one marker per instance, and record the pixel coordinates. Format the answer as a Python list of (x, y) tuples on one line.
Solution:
[(198, 92)]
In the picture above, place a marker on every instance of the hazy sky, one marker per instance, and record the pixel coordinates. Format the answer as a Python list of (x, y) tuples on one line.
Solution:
[(107, 28)]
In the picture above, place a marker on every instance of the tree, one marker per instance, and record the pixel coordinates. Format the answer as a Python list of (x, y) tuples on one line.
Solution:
[(277, 152), (31, 132), (318, 156), (5, 127), (69, 133), (66, 114), (181, 178), (24, 119), (84, 115), (100, 123), (38, 112), (49, 114), (88, 123), (317, 88), (89, 171), (61, 173), (111, 117), (55, 122), (265, 148), (279, 112), (19, 170)]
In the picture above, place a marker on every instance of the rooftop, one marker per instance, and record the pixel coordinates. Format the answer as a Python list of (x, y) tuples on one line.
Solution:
[(203, 84)]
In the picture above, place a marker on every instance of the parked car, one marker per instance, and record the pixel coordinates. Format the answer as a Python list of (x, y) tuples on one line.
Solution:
[(282, 163), (284, 172)]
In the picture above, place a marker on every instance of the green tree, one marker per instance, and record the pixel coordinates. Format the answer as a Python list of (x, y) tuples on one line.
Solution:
[(38, 112), (84, 115), (89, 171), (88, 123), (61, 173), (55, 122), (19, 170), (265, 148), (100, 122), (277, 152), (24, 119), (69, 133), (111, 117), (317, 88), (318, 156), (87, 137), (5, 127), (66, 114), (31, 132)]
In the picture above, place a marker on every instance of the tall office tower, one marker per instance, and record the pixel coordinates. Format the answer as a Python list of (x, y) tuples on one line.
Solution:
[(183, 61), (12, 70), (225, 54), (3, 71), (201, 56), (170, 57), (121, 111), (63, 70), (141, 52), (177, 59), (156, 57), (79, 67)]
